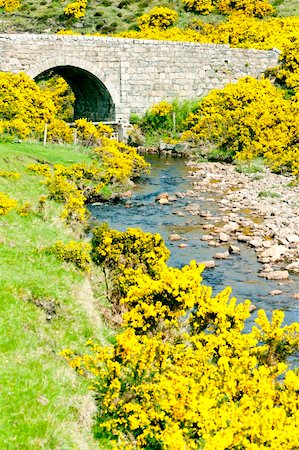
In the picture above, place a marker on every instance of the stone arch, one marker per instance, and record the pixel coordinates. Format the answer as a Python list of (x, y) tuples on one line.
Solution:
[(96, 98)]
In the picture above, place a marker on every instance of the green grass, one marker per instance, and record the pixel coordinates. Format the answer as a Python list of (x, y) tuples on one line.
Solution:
[(45, 306)]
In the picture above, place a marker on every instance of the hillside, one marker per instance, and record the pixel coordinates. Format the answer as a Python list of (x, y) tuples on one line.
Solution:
[(107, 16)]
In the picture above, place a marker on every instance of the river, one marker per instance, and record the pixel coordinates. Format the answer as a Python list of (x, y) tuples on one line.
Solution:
[(240, 271)]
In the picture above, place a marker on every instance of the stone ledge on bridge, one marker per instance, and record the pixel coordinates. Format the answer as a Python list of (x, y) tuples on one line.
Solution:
[(135, 73)]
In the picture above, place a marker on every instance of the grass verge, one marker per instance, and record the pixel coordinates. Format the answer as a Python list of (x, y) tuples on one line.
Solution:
[(46, 306)]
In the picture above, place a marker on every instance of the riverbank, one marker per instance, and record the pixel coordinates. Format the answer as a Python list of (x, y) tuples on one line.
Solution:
[(46, 305), (260, 209)]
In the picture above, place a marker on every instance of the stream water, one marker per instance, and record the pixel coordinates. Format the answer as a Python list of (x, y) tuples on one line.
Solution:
[(240, 271)]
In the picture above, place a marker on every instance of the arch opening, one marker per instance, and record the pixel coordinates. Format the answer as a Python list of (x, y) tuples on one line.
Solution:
[(92, 99)]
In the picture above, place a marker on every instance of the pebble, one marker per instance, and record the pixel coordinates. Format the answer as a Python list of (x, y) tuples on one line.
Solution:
[(224, 255), (175, 237), (275, 292)]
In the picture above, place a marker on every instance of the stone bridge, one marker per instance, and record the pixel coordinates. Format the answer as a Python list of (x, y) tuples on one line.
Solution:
[(113, 78)]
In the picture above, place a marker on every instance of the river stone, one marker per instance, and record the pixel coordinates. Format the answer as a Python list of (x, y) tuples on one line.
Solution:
[(230, 227), (243, 238), (209, 264), (162, 195), (292, 238), (274, 252), (252, 307), (172, 199), (207, 237), (233, 249), (278, 275), (220, 255), (296, 296), (213, 243), (164, 201), (223, 237), (275, 292), (179, 214), (182, 245), (293, 267), (255, 243), (175, 237)]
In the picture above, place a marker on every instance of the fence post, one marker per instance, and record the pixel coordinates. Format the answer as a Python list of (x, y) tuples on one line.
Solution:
[(75, 136), (45, 133)]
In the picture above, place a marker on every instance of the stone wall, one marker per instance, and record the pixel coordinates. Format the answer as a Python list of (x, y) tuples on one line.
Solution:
[(136, 73)]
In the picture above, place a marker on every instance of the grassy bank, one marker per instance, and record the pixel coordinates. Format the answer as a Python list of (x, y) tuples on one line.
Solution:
[(45, 306)]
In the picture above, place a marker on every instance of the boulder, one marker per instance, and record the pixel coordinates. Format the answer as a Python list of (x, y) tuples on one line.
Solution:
[(175, 237), (234, 249), (223, 237), (221, 255), (293, 267), (278, 275), (162, 195), (164, 201), (209, 264), (275, 292), (274, 252)]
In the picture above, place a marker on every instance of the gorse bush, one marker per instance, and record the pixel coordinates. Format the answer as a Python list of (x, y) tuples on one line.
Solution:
[(159, 17), (114, 163), (256, 8), (76, 9), (250, 119), (6, 204), (123, 252), (182, 373), (74, 252), (24, 107), (9, 5), (62, 96)]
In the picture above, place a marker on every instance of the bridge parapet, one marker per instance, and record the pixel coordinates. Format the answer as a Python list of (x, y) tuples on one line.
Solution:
[(135, 73)]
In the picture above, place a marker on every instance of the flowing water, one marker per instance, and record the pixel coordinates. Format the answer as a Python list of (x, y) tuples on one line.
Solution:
[(240, 271)]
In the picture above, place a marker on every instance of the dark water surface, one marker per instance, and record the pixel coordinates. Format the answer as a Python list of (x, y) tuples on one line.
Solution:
[(240, 271)]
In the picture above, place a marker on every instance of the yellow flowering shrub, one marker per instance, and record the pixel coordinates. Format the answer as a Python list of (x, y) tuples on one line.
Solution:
[(200, 6), (61, 95), (248, 119), (76, 9), (158, 17), (119, 161), (104, 130), (11, 175), (59, 132), (183, 374), (133, 249), (161, 109), (87, 132), (257, 8), (10, 5), (24, 106), (6, 204), (75, 252), (25, 209)]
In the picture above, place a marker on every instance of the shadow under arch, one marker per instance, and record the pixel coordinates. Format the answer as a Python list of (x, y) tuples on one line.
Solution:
[(93, 99)]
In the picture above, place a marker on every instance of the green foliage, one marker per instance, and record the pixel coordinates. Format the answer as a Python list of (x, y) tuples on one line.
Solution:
[(166, 119)]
